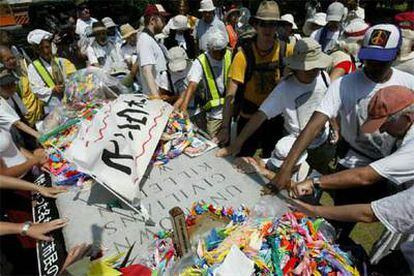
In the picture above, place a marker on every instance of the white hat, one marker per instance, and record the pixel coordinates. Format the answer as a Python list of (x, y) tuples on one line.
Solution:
[(216, 39), (289, 18), (36, 36), (108, 22), (178, 22), (335, 12), (355, 30), (206, 6), (308, 55), (178, 59), (381, 43), (318, 19), (281, 151)]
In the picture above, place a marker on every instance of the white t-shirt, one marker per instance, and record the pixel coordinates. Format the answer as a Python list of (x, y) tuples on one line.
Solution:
[(108, 57), (406, 63), (81, 26), (7, 115), (396, 212), (297, 101), (9, 152), (196, 74), (151, 53), (349, 97), (399, 166), (331, 39)]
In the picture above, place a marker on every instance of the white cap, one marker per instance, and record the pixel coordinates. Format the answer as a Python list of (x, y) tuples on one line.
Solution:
[(318, 19), (216, 40), (178, 59), (108, 22), (281, 151), (335, 12), (178, 22), (36, 36), (355, 30), (206, 6), (289, 18)]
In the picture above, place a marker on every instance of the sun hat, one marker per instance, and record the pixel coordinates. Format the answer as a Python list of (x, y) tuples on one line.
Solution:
[(308, 55), (281, 151), (381, 43), (268, 11), (178, 59), (36, 36), (206, 6), (98, 27), (178, 22), (318, 19), (108, 22), (127, 30), (289, 18), (217, 39), (355, 30), (335, 12), (386, 102)]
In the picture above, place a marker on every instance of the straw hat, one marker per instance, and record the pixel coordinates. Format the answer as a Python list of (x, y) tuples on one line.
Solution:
[(268, 11), (207, 6), (308, 55), (127, 30)]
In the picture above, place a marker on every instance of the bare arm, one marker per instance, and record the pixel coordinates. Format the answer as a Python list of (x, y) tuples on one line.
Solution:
[(19, 170), (336, 73), (13, 183), (352, 213), (252, 125), (312, 129), (25, 128), (150, 80), (188, 95)]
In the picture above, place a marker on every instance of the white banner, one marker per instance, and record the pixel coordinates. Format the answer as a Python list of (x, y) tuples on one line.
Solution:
[(116, 146)]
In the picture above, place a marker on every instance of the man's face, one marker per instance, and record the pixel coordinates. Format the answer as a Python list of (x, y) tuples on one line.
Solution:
[(208, 16), (284, 30), (218, 54), (306, 76), (111, 31), (8, 90), (101, 37), (45, 49), (396, 127), (8, 59), (266, 29), (377, 69), (159, 23), (85, 14), (333, 26), (132, 40)]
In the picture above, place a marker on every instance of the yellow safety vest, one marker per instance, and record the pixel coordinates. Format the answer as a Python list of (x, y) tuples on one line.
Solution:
[(213, 97), (43, 73), (33, 105)]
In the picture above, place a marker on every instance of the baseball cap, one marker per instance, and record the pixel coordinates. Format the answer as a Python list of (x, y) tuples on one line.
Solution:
[(405, 20), (155, 9), (381, 43), (386, 102), (178, 59), (108, 22)]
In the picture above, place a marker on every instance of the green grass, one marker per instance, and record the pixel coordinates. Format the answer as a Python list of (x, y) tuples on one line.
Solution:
[(364, 234)]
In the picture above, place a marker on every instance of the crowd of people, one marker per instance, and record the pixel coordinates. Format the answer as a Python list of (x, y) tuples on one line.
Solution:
[(326, 107)]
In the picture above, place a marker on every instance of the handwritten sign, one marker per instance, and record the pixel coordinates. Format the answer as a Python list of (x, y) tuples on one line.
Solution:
[(116, 146), (50, 255), (180, 183)]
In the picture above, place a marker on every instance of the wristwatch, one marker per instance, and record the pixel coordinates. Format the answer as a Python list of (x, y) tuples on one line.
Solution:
[(25, 228)]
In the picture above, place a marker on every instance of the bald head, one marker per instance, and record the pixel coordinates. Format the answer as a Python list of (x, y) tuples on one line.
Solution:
[(7, 58)]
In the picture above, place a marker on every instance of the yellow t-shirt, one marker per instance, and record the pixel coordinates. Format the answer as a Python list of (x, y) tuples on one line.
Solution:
[(262, 82)]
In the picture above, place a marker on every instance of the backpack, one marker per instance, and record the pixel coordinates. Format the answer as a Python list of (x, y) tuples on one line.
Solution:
[(245, 44)]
